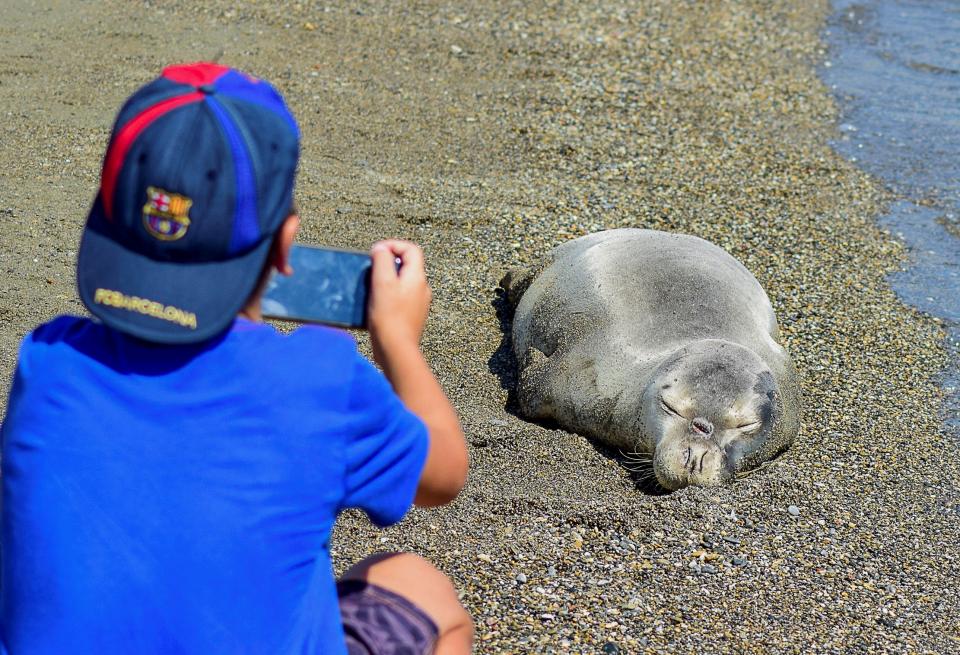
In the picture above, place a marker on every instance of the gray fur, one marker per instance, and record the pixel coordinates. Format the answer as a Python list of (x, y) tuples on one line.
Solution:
[(614, 314)]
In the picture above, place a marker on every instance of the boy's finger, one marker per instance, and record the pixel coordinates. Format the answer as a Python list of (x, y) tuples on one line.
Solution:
[(411, 260), (410, 254), (383, 263)]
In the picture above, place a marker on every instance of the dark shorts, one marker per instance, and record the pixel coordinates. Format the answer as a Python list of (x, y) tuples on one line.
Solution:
[(379, 622)]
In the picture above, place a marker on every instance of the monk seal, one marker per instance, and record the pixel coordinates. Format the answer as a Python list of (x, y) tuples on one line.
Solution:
[(660, 344)]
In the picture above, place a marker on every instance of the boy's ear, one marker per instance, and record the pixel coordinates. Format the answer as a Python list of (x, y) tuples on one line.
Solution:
[(284, 241)]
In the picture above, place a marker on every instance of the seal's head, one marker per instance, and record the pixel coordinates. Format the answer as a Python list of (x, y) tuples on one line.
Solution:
[(710, 411)]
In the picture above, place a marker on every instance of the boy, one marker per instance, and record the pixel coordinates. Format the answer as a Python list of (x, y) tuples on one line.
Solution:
[(171, 473)]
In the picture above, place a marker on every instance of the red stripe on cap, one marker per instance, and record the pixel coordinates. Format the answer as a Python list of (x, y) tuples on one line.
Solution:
[(125, 138), (195, 74)]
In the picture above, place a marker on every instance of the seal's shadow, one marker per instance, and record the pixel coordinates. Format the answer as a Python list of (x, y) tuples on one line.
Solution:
[(503, 364)]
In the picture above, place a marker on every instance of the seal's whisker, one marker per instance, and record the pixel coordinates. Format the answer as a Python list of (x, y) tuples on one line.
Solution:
[(638, 467), (644, 458)]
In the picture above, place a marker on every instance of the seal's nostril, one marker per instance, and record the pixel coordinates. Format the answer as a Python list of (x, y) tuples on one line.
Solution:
[(702, 426)]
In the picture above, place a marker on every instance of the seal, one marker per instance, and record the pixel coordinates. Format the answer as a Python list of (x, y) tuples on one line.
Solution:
[(660, 344)]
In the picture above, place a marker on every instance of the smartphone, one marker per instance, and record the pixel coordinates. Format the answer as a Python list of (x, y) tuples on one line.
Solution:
[(328, 285)]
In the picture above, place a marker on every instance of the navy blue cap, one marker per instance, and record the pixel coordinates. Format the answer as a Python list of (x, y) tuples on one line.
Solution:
[(197, 179)]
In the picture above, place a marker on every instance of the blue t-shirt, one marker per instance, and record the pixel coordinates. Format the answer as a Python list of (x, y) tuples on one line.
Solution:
[(180, 499)]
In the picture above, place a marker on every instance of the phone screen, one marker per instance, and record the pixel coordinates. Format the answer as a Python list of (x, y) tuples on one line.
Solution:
[(327, 286)]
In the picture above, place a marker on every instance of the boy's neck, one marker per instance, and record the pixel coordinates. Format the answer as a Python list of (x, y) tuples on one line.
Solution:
[(252, 311)]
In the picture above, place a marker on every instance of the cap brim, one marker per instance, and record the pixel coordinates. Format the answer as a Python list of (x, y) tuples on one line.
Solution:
[(163, 301)]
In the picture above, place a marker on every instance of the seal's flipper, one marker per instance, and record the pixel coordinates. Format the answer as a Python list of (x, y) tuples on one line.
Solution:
[(534, 384), (562, 387), (516, 282)]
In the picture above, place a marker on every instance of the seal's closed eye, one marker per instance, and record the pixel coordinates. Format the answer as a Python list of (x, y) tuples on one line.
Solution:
[(669, 409)]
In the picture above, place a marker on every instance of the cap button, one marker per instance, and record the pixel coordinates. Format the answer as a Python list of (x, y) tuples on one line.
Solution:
[(206, 88)]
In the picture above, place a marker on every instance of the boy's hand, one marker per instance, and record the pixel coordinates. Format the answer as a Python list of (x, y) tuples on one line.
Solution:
[(399, 301)]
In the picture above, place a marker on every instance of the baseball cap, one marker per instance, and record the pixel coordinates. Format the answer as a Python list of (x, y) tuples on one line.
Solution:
[(197, 178)]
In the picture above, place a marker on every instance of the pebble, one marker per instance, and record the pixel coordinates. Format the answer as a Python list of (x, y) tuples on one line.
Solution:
[(794, 510)]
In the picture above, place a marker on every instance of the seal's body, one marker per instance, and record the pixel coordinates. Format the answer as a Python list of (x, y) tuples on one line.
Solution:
[(659, 344)]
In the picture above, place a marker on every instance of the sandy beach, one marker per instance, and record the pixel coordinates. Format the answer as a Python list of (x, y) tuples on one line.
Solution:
[(490, 132)]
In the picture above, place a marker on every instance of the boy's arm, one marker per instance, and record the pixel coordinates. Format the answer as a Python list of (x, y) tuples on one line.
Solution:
[(396, 315)]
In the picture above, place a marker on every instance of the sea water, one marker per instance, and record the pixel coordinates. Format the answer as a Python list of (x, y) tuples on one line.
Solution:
[(894, 69)]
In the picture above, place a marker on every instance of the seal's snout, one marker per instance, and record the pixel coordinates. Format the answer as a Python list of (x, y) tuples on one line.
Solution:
[(692, 460), (701, 427)]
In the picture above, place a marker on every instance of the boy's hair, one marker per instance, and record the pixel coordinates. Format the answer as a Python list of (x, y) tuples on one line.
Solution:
[(197, 178)]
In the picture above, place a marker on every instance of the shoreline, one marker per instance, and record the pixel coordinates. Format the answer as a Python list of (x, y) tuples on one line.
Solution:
[(882, 58), (490, 134)]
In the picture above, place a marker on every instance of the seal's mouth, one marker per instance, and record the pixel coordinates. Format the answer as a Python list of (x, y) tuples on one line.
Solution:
[(693, 460)]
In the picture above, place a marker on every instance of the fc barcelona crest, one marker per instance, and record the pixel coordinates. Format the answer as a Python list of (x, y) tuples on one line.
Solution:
[(165, 214)]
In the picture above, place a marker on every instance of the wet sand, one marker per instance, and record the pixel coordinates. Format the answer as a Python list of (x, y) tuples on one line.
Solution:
[(490, 133)]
